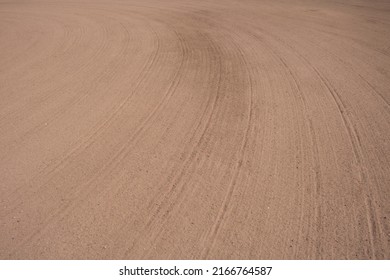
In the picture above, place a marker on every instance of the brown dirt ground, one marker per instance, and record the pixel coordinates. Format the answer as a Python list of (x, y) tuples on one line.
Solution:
[(231, 129)]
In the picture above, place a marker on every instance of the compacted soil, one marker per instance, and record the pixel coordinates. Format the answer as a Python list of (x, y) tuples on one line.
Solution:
[(195, 129)]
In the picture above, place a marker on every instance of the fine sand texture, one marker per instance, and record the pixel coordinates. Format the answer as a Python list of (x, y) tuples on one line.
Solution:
[(195, 129)]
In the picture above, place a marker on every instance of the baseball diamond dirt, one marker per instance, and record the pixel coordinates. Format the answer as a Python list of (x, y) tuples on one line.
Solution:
[(195, 129)]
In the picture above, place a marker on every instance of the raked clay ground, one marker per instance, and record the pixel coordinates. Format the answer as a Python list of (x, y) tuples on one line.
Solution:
[(195, 129)]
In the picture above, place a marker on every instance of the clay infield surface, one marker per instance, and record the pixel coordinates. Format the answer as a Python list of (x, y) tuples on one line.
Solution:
[(152, 129)]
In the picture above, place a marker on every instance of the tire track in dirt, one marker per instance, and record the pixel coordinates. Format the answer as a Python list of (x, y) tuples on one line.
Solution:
[(375, 226), (176, 129), (98, 130), (166, 206), (116, 159), (230, 189)]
